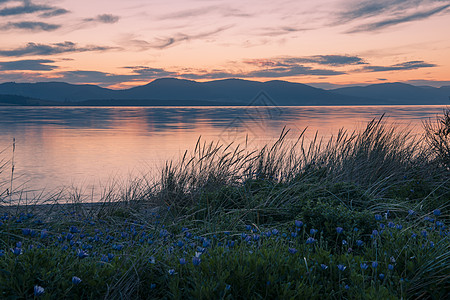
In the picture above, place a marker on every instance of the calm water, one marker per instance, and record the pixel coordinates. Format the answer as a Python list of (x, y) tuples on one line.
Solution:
[(64, 146)]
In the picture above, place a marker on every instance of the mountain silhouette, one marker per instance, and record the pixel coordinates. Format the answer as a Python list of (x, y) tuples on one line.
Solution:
[(400, 93), (172, 91)]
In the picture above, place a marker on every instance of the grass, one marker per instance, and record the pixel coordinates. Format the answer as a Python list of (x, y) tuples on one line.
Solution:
[(362, 215)]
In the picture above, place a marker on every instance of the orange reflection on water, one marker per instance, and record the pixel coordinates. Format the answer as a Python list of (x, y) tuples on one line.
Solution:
[(72, 146)]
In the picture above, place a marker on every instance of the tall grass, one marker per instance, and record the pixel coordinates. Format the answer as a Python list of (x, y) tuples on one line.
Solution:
[(375, 159), (437, 136), (201, 204)]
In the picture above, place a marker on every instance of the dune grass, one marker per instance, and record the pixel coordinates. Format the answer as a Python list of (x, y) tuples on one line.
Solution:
[(363, 214)]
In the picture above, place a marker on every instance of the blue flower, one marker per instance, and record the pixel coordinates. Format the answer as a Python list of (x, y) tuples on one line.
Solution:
[(310, 240), (359, 243), (339, 230), (2, 253), (378, 217), (110, 256), (38, 290), (274, 231), (323, 266), (117, 247), (344, 242), (298, 223), (292, 250), (390, 267), (341, 267), (26, 231), (399, 226), (228, 287), (437, 212), (248, 227), (180, 243), (411, 212), (381, 276), (196, 261), (163, 233), (182, 261), (313, 231), (364, 266), (424, 233), (81, 254), (76, 280), (17, 251), (152, 286), (73, 229), (44, 234), (294, 234), (382, 226), (171, 271), (346, 287), (391, 225), (374, 264), (439, 224), (375, 232)]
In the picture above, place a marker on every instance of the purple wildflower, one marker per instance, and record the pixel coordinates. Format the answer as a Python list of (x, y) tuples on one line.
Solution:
[(38, 290), (76, 280), (196, 261), (341, 267), (310, 240)]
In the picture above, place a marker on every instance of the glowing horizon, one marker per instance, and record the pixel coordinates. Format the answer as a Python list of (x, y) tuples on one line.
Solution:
[(325, 43)]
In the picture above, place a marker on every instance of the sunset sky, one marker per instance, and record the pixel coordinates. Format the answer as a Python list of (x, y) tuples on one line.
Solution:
[(325, 43)]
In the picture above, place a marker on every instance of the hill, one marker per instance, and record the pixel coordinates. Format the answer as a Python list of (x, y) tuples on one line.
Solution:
[(172, 91)]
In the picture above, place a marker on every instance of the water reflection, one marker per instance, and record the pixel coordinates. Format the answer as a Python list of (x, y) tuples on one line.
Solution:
[(59, 146)]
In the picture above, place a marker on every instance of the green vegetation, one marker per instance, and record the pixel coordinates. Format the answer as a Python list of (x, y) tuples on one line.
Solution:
[(363, 215)]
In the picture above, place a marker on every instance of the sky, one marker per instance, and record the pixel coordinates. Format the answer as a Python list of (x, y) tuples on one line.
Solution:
[(324, 43)]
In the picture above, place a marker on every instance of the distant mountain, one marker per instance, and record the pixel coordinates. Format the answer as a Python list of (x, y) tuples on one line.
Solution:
[(55, 91), (400, 93), (171, 91), (21, 100)]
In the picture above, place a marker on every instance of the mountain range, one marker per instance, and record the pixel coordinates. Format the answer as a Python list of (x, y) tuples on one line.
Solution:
[(172, 91)]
